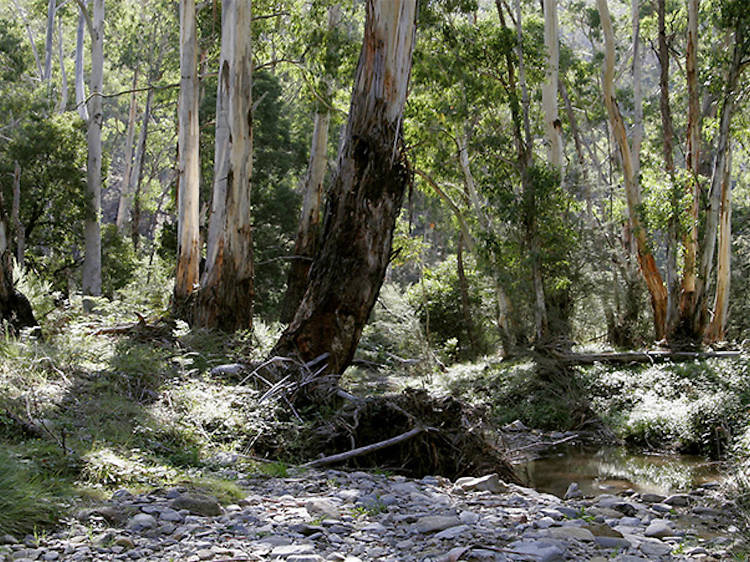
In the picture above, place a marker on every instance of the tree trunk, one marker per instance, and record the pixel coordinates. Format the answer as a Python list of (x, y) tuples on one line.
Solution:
[(552, 125), (700, 314), (18, 229), (136, 174), (306, 242), (463, 286), (364, 200), (123, 207), (34, 50), (717, 329), (51, 9), (650, 272), (92, 263), (79, 81), (673, 285), (689, 302), (14, 307), (188, 248), (225, 300), (64, 76)]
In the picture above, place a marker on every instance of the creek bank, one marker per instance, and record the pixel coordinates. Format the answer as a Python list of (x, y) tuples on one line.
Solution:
[(331, 515)]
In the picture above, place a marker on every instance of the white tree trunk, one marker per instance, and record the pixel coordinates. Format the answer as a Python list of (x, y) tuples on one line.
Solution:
[(646, 260), (552, 125), (226, 296), (51, 9), (92, 264), (188, 250), (79, 80), (34, 50), (123, 208), (64, 75)]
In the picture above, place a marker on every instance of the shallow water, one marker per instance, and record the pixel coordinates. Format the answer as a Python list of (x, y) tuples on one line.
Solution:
[(613, 469)]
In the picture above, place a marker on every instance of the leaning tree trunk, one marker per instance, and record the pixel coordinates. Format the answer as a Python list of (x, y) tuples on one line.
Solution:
[(306, 242), (188, 248), (92, 263), (225, 299), (646, 260), (364, 200)]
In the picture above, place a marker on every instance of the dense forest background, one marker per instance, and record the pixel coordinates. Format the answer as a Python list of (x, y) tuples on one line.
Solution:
[(558, 178)]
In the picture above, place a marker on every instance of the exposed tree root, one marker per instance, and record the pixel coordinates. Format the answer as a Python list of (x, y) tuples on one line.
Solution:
[(422, 435)]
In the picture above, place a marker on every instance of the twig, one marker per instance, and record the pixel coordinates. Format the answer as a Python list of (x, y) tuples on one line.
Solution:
[(367, 448), (559, 442)]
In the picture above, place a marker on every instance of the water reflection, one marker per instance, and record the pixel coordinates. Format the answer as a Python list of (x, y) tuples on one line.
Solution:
[(612, 469)]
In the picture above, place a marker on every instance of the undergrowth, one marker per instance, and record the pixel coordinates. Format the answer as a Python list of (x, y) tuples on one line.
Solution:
[(695, 407)]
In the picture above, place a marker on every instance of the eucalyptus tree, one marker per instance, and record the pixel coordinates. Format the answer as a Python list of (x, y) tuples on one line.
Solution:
[(364, 199), (225, 299), (92, 264), (188, 168)]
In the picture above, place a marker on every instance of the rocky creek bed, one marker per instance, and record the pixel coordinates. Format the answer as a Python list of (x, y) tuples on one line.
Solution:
[(331, 515)]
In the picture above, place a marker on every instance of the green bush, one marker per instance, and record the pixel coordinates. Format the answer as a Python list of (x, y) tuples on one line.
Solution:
[(437, 300), (119, 261)]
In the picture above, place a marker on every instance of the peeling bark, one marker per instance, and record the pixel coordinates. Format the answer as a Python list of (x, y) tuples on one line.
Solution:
[(63, 104), (225, 299), (188, 249), (364, 200), (649, 270)]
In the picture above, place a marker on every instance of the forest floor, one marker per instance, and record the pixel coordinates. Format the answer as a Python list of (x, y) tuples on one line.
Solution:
[(105, 424)]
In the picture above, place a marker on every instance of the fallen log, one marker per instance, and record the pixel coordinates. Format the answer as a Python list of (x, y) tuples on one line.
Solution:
[(643, 356)]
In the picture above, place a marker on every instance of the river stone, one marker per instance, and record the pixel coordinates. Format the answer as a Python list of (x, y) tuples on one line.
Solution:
[(197, 504), (141, 522), (305, 558), (488, 483), (8, 539), (469, 517), (655, 548), (432, 523), (613, 542), (570, 533), (169, 514), (652, 498), (543, 551), (602, 530), (452, 532), (573, 491), (229, 370), (322, 507), (678, 500), (292, 549), (658, 528)]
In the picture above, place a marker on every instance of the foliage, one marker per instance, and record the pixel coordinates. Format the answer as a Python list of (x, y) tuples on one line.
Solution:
[(690, 407), (393, 335), (51, 153)]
